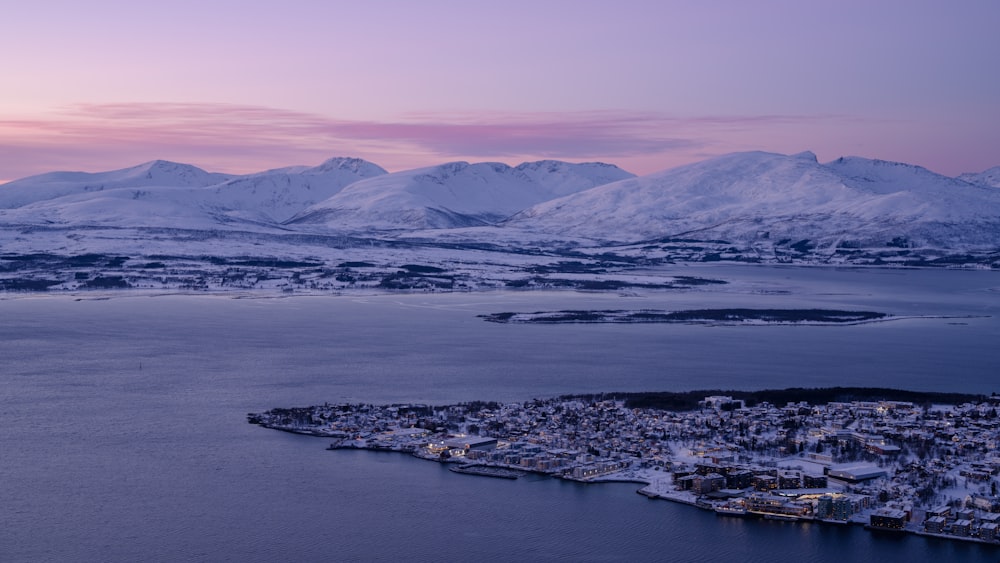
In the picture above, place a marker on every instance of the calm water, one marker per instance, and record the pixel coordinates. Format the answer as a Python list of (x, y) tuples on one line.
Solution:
[(124, 435)]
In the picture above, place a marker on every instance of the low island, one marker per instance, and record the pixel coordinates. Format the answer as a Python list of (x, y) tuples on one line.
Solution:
[(891, 460), (696, 316)]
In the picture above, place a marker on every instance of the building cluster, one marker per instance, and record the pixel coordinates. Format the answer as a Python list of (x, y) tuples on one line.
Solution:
[(889, 464)]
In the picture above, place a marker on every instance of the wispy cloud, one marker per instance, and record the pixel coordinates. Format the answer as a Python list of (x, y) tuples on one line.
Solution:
[(248, 138)]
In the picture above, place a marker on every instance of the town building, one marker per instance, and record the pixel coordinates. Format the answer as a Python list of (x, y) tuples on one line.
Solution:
[(888, 519), (855, 473)]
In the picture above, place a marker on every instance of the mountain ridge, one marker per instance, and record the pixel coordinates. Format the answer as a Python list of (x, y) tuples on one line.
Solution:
[(454, 194), (752, 195), (751, 206)]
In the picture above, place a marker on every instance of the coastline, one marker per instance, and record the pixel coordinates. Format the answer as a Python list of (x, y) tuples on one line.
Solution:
[(680, 497), (649, 489)]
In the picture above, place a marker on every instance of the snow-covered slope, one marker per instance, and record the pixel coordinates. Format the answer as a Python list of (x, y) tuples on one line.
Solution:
[(172, 195), (558, 179), (277, 195), (747, 196), (173, 207), (57, 184), (990, 177), (457, 194), (885, 177)]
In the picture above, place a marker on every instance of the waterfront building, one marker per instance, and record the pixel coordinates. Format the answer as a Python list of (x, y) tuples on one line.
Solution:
[(466, 443), (888, 519), (764, 483), (740, 479), (686, 482), (682, 472), (476, 455), (943, 511), (934, 524), (548, 464), (704, 484), (770, 505), (988, 531), (824, 506), (841, 508), (961, 528)]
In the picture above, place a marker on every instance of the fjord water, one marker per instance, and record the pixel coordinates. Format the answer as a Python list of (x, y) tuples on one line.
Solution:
[(124, 434)]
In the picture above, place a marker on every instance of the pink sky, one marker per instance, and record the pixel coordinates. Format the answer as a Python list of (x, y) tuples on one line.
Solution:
[(243, 86)]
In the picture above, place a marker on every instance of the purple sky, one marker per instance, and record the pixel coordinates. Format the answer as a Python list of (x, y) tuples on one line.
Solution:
[(242, 86)]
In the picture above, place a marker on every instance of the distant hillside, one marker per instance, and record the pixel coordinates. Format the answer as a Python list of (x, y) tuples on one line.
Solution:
[(990, 177), (453, 195), (848, 203)]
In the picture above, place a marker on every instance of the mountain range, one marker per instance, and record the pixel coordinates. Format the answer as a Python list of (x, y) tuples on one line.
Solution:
[(849, 202), (754, 206), (457, 194)]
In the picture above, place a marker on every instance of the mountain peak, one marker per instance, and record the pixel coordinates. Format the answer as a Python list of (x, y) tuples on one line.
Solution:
[(162, 173), (164, 164), (164, 167), (352, 165), (989, 177)]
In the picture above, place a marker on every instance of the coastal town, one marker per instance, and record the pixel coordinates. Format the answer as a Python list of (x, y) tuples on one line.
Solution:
[(893, 466)]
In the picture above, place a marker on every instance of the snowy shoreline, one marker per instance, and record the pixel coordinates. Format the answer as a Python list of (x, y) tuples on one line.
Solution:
[(653, 488), (735, 456)]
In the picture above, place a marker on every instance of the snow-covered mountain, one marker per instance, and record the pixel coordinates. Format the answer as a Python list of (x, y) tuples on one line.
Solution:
[(748, 196), (742, 206), (162, 194), (150, 174), (277, 195), (457, 194), (990, 177), (174, 207)]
